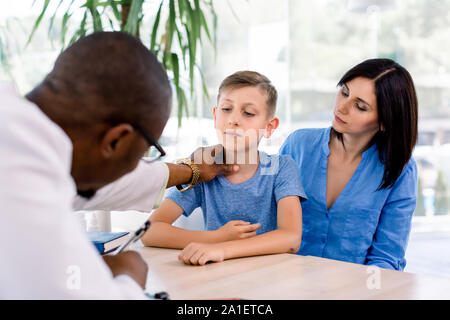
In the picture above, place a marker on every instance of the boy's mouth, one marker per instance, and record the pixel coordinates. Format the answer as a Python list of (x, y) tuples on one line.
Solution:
[(232, 133)]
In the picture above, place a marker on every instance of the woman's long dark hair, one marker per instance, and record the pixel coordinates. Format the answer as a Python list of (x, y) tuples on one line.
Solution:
[(397, 113)]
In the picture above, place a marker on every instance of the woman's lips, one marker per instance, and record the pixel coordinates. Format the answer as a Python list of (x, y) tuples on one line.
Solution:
[(339, 120)]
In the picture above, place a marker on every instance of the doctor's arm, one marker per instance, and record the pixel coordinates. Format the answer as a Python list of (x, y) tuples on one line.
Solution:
[(205, 160), (145, 185)]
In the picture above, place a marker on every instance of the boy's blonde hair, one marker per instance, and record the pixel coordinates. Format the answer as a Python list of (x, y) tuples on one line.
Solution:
[(242, 79)]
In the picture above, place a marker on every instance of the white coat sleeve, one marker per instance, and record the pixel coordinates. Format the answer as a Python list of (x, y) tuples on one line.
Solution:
[(138, 190), (45, 252)]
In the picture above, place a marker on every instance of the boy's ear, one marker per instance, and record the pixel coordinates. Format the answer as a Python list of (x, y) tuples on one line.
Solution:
[(214, 115), (271, 126)]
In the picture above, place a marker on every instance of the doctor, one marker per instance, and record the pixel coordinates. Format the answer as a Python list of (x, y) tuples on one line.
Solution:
[(87, 124)]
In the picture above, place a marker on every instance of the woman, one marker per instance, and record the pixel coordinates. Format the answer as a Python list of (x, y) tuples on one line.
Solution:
[(358, 175)]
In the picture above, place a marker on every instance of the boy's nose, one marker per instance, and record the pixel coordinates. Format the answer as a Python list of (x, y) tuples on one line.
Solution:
[(233, 120)]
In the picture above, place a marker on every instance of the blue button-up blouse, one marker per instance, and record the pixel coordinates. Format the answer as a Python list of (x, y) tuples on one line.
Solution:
[(364, 225)]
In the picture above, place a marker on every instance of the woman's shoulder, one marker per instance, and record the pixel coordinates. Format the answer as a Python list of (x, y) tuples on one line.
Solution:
[(308, 133), (410, 168), (305, 137)]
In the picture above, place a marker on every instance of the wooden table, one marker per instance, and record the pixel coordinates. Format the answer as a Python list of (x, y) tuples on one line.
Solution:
[(284, 276)]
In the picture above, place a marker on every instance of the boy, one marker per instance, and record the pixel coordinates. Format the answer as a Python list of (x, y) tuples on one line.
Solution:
[(254, 211)]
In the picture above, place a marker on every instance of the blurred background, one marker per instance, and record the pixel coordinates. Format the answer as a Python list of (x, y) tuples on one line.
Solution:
[(304, 47)]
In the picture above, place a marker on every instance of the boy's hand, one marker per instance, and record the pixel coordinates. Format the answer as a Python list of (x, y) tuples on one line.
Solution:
[(201, 253), (237, 229), (206, 157)]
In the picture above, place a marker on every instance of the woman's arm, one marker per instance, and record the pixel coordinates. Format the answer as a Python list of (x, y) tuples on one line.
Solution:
[(391, 237), (162, 234), (286, 238)]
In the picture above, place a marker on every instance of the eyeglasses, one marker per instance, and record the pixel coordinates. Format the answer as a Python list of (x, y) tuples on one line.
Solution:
[(156, 151)]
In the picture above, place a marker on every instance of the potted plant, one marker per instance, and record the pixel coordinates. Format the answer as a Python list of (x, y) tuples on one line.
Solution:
[(177, 30)]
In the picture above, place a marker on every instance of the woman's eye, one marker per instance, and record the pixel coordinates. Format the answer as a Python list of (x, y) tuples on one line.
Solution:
[(345, 94), (360, 108)]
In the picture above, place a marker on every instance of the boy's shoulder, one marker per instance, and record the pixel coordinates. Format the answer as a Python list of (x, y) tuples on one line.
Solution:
[(277, 162)]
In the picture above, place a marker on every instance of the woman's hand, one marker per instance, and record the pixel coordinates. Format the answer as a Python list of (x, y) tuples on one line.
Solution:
[(201, 253), (237, 229)]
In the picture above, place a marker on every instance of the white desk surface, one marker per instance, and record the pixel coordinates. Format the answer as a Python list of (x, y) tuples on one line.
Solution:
[(284, 276)]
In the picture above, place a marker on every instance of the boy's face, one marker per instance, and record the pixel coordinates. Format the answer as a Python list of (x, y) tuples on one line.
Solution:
[(241, 119)]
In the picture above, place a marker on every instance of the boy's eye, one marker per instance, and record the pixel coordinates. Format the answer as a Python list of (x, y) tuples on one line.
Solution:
[(248, 114), (225, 108)]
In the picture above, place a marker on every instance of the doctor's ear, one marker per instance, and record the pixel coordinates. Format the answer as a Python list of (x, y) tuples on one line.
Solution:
[(113, 137)]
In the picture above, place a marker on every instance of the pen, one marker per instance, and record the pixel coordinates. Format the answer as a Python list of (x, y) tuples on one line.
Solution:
[(137, 235)]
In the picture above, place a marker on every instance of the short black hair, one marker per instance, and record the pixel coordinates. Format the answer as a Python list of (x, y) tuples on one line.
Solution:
[(397, 113), (109, 77)]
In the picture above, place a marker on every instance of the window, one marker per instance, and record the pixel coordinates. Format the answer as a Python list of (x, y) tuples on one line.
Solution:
[(304, 47)]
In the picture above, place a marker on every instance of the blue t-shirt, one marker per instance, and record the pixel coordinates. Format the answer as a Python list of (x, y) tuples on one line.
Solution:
[(364, 225), (254, 200)]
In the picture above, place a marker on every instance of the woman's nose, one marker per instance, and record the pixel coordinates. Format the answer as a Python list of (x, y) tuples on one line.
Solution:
[(342, 107)]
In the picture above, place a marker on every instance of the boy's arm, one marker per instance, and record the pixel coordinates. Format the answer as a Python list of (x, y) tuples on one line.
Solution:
[(286, 238), (162, 234)]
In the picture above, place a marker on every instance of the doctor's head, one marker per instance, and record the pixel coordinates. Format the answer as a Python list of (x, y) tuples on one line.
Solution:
[(112, 97)]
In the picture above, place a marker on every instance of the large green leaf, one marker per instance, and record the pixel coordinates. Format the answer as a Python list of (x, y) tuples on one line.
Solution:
[(134, 17), (155, 28), (184, 20), (38, 21)]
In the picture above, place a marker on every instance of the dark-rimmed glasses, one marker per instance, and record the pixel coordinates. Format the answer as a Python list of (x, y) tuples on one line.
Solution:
[(156, 151)]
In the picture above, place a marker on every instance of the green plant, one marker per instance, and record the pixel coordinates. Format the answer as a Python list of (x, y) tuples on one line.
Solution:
[(176, 33), (4, 64), (420, 204), (441, 188)]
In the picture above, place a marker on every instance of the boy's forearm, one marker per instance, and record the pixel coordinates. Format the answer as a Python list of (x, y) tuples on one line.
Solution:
[(277, 241), (162, 234)]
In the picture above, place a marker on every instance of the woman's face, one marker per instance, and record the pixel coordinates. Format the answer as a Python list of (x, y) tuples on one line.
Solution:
[(356, 109)]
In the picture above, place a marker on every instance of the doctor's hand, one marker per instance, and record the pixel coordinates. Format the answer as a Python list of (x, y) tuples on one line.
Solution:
[(201, 253), (206, 157), (129, 263), (205, 160)]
